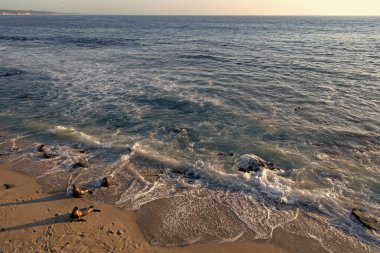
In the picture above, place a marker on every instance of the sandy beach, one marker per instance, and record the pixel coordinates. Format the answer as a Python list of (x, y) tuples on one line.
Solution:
[(36, 221)]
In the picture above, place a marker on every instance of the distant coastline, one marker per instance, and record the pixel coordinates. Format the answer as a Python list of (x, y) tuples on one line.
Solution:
[(27, 12)]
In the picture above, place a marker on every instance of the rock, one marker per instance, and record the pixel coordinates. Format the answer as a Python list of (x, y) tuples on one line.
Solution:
[(82, 163), (367, 219), (110, 231), (178, 130), (56, 215), (106, 181), (119, 232), (225, 154), (47, 155), (189, 173), (41, 148), (9, 186), (249, 162)]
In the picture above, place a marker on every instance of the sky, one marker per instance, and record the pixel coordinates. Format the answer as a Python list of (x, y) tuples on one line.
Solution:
[(201, 7)]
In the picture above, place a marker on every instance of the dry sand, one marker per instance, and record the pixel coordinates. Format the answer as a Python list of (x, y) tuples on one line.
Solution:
[(35, 221)]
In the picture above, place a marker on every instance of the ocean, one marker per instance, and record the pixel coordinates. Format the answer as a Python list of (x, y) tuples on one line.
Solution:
[(167, 105)]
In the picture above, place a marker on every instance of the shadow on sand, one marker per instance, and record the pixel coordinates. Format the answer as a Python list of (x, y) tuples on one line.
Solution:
[(57, 196), (64, 218)]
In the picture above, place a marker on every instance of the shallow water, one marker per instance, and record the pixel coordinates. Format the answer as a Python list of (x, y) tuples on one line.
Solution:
[(302, 92)]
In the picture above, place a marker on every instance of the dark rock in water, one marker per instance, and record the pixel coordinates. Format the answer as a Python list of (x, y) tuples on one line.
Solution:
[(47, 155), (9, 186), (106, 181), (178, 130), (250, 162), (41, 148), (225, 154), (367, 219), (128, 150), (82, 163), (15, 148), (23, 96), (189, 173)]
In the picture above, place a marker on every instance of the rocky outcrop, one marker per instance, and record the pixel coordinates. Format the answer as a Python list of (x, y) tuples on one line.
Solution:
[(250, 162), (367, 219)]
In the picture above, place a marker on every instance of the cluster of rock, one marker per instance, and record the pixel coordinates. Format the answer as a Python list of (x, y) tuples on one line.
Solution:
[(250, 162)]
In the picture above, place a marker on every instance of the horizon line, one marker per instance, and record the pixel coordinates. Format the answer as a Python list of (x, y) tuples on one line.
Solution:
[(205, 15)]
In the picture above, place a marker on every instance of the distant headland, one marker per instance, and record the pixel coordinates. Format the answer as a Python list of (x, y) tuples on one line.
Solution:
[(27, 12)]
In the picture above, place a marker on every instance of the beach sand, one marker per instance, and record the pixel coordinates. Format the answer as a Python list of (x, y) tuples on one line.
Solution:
[(33, 220)]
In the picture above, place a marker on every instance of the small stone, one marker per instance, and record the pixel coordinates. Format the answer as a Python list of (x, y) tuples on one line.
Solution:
[(41, 148), (82, 163), (225, 154), (57, 214), (9, 186), (119, 232), (106, 181), (47, 155), (110, 231)]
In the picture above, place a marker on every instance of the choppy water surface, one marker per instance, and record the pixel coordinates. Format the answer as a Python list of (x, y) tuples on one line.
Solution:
[(301, 92)]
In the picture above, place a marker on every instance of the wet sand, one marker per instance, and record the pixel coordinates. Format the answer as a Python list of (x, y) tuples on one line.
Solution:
[(32, 220)]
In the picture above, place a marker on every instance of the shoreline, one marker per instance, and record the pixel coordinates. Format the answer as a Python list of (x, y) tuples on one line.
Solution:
[(37, 210), (32, 218)]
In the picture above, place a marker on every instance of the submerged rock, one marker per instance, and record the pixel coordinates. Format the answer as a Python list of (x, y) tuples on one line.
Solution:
[(82, 163), (48, 155), (189, 173), (250, 162), (225, 154), (178, 130), (367, 219)]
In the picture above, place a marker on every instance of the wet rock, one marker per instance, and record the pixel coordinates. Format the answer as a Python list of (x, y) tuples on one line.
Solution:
[(178, 130), (40, 148), (106, 181), (82, 163), (225, 154), (48, 155), (367, 219), (189, 173), (9, 186), (249, 162)]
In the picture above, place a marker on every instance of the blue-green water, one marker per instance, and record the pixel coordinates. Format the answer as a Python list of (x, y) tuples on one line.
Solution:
[(302, 92)]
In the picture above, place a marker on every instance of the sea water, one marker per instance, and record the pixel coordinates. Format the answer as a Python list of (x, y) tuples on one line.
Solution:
[(166, 105)]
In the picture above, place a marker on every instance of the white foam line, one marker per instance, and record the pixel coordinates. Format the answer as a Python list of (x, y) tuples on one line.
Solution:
[(53, 170), (232, 239)]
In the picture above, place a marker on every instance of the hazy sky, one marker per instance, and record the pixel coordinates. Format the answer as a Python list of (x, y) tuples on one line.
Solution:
[(202, 7)]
